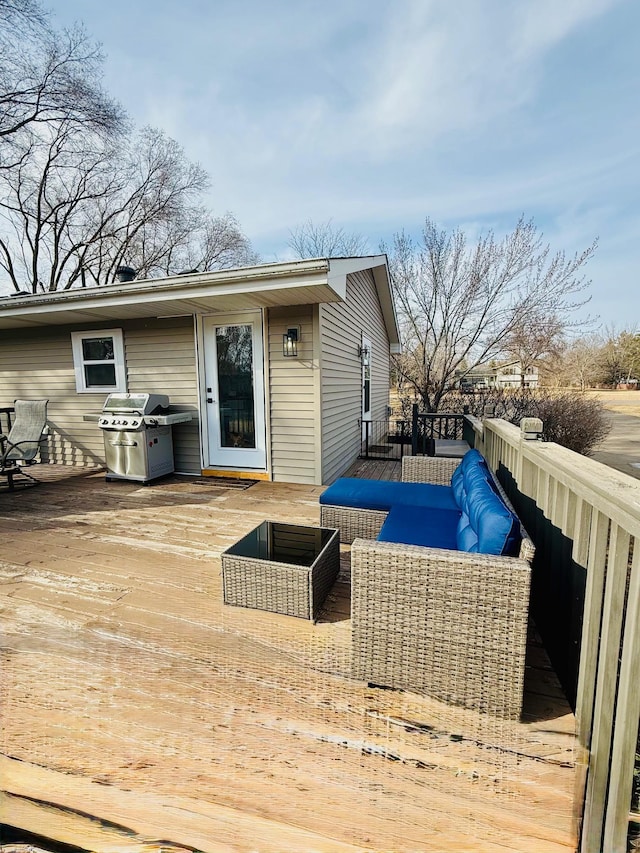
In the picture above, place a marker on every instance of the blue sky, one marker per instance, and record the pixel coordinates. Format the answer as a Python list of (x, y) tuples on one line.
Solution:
[(376, 114)]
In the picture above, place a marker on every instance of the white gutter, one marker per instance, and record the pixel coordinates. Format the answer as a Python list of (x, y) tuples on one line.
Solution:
[(182, 286)]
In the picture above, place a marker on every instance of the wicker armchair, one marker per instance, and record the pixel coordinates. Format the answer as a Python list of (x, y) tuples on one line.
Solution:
[(449, 624)]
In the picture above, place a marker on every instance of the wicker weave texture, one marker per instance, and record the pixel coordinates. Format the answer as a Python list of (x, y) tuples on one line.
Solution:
[(281, 587), (428, 469), (448, 624), (352, 523)]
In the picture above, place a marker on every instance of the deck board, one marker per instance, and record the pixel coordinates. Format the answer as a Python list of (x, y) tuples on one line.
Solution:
[(133, 697)]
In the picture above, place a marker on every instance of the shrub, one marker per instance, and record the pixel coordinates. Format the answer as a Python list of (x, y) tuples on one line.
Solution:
[(569, 418), (574, 421)]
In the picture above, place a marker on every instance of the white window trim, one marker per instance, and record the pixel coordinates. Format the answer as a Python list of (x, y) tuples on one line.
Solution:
[(118, 356)]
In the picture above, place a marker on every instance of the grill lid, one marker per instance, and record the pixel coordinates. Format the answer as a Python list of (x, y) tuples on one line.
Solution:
[(140, 404)]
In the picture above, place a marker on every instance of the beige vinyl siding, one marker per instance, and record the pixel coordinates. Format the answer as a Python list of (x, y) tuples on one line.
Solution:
[(39, 365), (292, 409), (160, 358), (342, 325)]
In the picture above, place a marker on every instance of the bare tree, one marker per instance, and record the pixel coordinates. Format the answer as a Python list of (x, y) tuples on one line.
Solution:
[(575, 364), (618, 358), (48, 201), (46, 75), (192, 239), (155, 188), (78, 197), (209, 242), (324, 240), (459, 306), (629, 344), (76, 208), (534, 339)]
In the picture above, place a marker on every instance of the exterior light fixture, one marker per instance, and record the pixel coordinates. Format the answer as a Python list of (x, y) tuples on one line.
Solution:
[(363, 352), (290, 342)]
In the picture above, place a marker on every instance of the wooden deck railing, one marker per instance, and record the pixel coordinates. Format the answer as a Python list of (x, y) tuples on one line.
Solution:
[(585, 520)]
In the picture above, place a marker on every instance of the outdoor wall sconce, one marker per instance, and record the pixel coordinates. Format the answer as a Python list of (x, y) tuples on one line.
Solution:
[(290, 342), (363, 352)]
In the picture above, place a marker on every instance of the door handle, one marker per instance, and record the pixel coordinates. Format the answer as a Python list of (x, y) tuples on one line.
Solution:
[(209, 399)]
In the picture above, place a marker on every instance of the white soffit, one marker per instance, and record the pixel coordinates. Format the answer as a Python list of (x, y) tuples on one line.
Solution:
[(263, 286), (294, 283)]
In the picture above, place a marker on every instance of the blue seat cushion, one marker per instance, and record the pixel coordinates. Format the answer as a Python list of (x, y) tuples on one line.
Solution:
[(384, 494), (426, 526)]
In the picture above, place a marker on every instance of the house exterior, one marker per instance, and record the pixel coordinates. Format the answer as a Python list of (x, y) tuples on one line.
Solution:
[(278, 363), (505, 375)]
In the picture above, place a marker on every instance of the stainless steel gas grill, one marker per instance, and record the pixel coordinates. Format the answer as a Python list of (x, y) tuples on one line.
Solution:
[(138, 441)]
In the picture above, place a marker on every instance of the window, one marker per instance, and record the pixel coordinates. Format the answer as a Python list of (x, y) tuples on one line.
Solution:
[(98, 359)]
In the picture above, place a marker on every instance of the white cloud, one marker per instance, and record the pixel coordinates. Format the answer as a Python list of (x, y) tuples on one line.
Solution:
[(546, 22), (380, 113)]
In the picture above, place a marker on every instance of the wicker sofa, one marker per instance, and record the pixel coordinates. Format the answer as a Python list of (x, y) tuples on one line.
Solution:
[(448, 623)]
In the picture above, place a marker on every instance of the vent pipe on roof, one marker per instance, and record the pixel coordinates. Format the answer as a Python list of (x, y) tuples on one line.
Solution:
[(125, 273)]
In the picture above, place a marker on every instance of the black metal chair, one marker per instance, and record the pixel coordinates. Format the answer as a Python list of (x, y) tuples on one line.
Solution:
[(21, 446)]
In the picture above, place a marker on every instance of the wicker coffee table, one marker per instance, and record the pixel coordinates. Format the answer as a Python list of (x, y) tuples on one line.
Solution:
[(283, 568)]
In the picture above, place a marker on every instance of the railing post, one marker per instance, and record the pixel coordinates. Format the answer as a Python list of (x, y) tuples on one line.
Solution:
[(414, 429)]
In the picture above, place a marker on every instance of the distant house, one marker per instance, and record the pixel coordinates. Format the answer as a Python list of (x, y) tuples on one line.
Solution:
[(506, 374), (279, 363)]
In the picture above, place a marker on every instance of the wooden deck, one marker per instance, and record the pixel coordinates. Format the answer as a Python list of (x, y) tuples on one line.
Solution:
[(139, 713)]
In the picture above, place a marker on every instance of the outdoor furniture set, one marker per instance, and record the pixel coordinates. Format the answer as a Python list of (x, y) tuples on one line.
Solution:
[(440, 576)]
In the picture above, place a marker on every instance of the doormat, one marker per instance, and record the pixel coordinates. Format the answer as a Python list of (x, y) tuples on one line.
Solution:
[(225, 482), (184, 485)]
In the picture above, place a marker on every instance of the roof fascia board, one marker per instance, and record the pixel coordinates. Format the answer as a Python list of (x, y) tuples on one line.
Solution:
[(387, 305), (160, 290), (340, 269)]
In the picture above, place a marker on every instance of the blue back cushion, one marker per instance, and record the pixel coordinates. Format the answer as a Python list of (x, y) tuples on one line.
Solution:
[(497, 528), (466, 537), (457, 486), (486, 525), (473, 459), (383, 494)]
